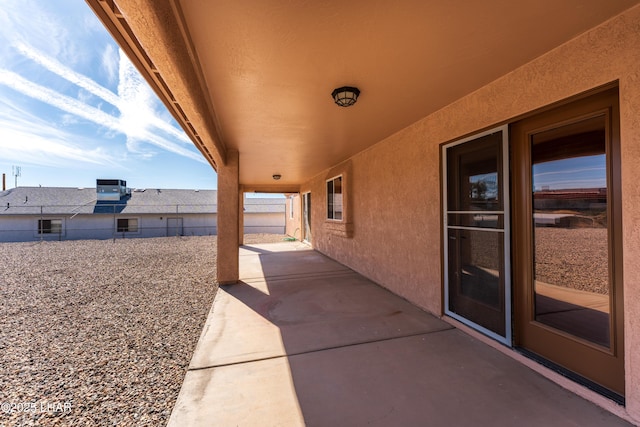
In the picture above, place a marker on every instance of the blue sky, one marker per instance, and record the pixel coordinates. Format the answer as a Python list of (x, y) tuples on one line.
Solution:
[(571, 173), (73, 108)]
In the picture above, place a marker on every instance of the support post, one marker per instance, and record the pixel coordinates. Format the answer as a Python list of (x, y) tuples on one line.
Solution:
[(228, 220), (241, 218)]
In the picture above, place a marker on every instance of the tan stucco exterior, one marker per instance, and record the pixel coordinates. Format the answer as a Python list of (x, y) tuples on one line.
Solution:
[(395, 185), (229, 220)]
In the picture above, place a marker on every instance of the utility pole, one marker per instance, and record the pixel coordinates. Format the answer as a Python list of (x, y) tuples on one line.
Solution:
[(16, 173)]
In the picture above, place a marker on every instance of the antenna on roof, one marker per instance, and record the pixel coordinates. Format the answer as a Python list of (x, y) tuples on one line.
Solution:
[(16, 173)]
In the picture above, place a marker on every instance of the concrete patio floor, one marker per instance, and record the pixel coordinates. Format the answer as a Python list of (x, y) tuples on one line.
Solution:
[(303, 340)]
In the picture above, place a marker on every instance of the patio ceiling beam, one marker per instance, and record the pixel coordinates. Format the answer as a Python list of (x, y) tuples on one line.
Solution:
[(153, 36)]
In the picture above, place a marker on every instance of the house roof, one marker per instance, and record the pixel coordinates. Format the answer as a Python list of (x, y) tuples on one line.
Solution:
[(70, 201), (255, 77)]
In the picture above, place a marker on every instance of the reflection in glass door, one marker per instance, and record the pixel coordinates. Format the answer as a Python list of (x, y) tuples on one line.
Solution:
[(476, 245), (570, 238), (566, 239)]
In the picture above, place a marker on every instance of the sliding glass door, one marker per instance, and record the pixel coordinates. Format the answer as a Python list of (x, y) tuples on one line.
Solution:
[(567, 263), (561, 168)]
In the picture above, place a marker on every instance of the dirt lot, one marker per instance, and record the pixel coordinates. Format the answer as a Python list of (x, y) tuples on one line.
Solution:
[(101, 332)]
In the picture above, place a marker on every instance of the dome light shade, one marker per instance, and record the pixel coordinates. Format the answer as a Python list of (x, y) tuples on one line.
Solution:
[(345, 96)]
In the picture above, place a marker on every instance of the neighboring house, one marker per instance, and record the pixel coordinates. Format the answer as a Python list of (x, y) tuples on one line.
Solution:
[(466, 107), (53, 213), (264, 215)]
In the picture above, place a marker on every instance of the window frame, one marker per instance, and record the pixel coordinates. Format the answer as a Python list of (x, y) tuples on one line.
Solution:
[(40, 230), (128, 228), (331, 204)]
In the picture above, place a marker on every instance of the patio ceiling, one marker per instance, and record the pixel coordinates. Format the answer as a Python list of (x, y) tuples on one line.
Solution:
[(265, 69)]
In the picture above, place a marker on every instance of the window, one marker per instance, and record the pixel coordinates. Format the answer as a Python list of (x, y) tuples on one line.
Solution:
[(127, 225), (338, 220), (334, 198), (49, 226)]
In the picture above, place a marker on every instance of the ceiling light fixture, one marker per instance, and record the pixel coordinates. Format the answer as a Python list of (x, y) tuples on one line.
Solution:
[(276, 176), (345, 96)]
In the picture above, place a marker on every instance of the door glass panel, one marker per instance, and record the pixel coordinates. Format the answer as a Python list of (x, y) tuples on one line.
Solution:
[(474, 168), (479, 267), (571, 238), (475, 222)]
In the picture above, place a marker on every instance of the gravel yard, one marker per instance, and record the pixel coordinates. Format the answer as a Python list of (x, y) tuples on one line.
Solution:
[(573, 257), (100, 332)]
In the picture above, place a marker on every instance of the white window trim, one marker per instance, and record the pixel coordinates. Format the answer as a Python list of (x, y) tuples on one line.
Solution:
[(343, 198)]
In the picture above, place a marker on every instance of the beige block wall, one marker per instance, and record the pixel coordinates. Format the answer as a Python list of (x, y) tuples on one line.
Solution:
[(394, 187)]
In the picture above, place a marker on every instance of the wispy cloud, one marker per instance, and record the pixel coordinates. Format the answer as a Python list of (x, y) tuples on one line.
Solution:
[(134, 95), (134, 111), (26, 147), (87, 112), (136, 102), (110, 61), (571, 171), (25, 138), (66, 73), (138, 99), (56, 99)]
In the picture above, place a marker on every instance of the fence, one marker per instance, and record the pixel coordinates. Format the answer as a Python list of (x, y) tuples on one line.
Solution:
[(116, 220)]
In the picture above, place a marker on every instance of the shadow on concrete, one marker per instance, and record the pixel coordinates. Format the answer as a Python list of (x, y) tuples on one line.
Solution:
[(310, 342)]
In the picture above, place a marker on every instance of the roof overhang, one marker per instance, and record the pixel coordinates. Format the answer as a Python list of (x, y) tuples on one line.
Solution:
[(256, 76)]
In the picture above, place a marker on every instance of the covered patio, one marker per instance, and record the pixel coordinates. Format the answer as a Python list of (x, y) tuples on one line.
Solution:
[(304, 340), (461, 107)]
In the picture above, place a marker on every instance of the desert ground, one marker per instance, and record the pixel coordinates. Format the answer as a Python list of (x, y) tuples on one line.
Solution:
[(100, 332)]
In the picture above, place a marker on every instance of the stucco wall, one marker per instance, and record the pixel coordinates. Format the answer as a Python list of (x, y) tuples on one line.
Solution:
[(293, 226), (395, 185)]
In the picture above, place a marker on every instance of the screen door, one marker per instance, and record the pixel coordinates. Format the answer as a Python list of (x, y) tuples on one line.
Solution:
[(476, 240)]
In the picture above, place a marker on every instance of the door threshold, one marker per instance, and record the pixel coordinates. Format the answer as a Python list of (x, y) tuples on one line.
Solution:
[(608, 404), (585, 382)]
